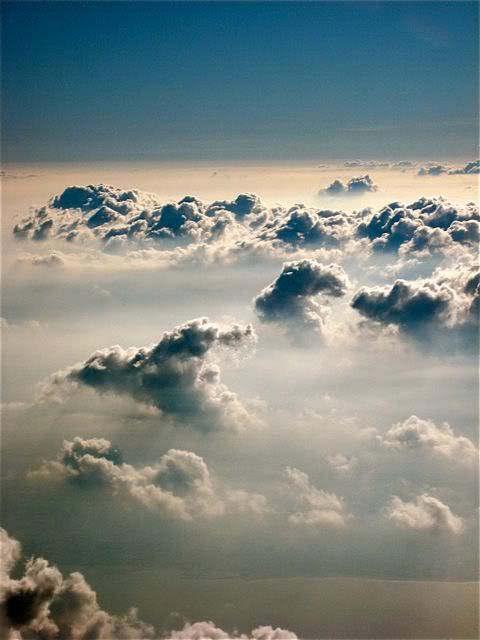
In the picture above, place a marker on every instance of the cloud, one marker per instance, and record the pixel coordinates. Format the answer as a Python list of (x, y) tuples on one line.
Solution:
[(176, 375), (354, 187), (291, 297), (426, 513), (44, 604), (366, 164), (425, 226), (179, 486), (417, 434), (209, 631), (447, 301), (318, 508), (471, 168), (342, 464)]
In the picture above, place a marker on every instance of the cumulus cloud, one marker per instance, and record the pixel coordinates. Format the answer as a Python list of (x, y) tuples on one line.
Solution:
[(179, 486), (342, 464), (175, 375), (471, 168), (140, 231), (45, 604), (209, 631), (354, 187), (292, 296), (366, 164), (444, 301), (418, 434), (317, 508), (426, 513), (426, 226), (42, 603)]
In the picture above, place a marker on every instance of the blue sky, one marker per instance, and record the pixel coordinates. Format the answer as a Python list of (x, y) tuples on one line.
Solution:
[(190, 82)]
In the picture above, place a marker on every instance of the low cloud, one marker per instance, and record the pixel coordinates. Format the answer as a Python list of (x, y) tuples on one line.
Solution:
[(42, 603), (179, 486), (447, 301), (317, 508), (426, 513), (45, 604), (471, 168), (354, 187), (176, 375), (292, 296), (417, 434)]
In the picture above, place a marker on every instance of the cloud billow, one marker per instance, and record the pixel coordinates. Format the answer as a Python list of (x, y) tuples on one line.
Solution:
[(354, 187), (291, 297), (175, 375), (42, 603)]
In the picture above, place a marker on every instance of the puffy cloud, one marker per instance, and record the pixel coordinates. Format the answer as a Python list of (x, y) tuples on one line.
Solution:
[(209, 631), (291, 297), (426, 513), (179, 486), (446, 301), (44, 604), (354, 187), (415, 433), (318, 508), (366, 164), (471, 168), (175, 375), (425, 226), (114, 216), (341, 463), (434, 170)]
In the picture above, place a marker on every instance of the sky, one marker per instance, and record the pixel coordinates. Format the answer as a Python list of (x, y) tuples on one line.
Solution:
[(240, 296), (189, 82)]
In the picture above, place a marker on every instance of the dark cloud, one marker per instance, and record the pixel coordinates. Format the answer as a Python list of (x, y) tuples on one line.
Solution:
[(354, 187), (291, 297), (45, 604), (417, 227), (471, 168), (446, 301), (175, 375)]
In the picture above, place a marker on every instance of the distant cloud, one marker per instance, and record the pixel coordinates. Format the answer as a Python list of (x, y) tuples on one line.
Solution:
[(175, 375), (317, 508), (471, 168), (426, 513), (291, 297), (179, 486), (366, 164), (448, 300), (354, 187), (418, 434)]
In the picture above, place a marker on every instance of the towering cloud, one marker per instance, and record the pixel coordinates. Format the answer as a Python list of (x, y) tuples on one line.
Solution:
[(175, 375), (426, 513), (291, 297)]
